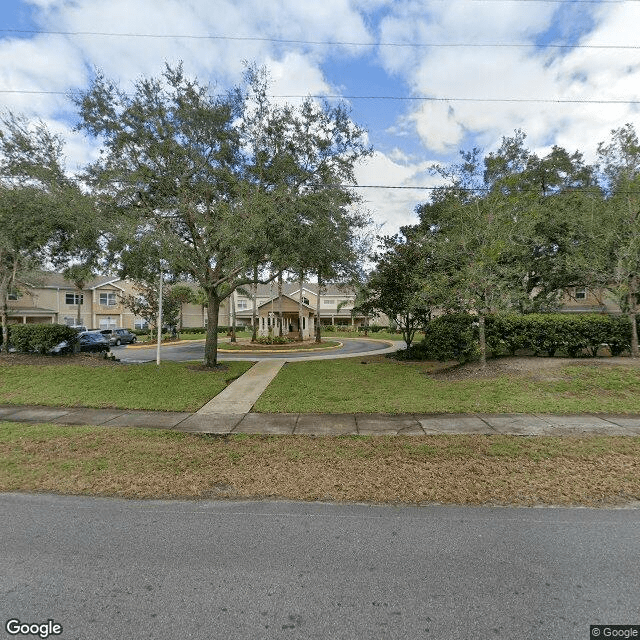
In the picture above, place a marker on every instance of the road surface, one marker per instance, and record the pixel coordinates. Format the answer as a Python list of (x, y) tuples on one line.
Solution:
[(106, 568), (195, 351)]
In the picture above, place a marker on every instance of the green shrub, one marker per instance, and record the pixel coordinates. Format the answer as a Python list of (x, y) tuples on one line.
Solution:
[(196, 330), (550, 332), (619, 339), (40, 338), (328, 327), (452, 336), (274, 340)]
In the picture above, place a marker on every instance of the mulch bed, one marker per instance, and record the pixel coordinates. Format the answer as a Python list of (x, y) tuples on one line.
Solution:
[(84, 359)]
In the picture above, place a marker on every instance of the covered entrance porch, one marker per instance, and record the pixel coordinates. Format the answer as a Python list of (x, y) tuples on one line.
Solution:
[(284, 311)]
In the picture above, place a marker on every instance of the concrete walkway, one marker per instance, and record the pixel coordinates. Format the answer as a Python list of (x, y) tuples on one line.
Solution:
[(242, 393), (333, 424)]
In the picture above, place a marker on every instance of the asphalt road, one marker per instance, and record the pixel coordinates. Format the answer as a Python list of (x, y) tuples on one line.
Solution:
[(107, 568), (195, 351)]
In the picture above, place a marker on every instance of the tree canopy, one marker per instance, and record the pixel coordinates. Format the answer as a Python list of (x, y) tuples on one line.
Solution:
[(228, 183)]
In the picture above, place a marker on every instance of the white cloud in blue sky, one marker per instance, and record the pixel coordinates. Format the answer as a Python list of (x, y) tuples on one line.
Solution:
[(408, 135)]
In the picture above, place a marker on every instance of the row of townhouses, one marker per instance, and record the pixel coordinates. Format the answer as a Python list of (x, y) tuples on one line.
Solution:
[(56, 300), (99, 305)]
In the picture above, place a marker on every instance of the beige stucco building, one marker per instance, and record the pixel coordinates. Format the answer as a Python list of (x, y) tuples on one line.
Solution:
[(53, 299)]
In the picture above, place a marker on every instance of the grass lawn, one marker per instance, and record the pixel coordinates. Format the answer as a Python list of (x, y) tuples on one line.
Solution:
[(173, 386), (291, 346), (381, 385), (465, 469), (379, 335), (195, 336)]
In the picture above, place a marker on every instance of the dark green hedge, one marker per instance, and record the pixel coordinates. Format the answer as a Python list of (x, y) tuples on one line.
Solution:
[(39, 338), (453, 336), (553, 332)]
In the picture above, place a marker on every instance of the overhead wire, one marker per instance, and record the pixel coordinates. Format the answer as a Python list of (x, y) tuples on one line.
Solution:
[(188, 36)]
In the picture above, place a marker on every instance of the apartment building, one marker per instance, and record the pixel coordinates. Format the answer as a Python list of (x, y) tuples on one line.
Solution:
[(53, 299)]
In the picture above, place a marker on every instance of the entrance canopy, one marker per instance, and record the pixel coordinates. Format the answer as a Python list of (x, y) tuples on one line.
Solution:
[(284, 310)]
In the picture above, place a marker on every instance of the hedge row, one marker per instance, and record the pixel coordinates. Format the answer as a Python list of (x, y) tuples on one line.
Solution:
[(455, 336), (39, 338), (549, 333)]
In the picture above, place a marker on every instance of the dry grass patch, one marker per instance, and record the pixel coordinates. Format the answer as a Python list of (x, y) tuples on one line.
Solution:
[(466, 469)]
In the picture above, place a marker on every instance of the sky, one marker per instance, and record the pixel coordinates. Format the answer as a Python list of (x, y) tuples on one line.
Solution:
[(425, 78)]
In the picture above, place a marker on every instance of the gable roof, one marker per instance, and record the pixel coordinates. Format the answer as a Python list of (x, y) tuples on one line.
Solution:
[(52, 280), (294, 300)]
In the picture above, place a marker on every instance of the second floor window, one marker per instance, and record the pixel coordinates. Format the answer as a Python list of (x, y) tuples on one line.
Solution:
[(243, 304), (74, 298), (108, 299), (13, 295), (581, 294)]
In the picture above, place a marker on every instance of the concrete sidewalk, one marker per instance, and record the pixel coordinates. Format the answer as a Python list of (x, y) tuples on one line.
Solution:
[(332, 424), (243, 392)]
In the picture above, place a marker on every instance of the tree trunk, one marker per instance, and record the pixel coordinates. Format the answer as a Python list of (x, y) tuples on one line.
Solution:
[(407, 331), (318, 331), (211, 343), (483, 342), (4, 292), (254, 307), (281, 319)]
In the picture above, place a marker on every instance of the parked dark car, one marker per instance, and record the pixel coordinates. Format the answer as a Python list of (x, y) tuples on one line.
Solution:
[(88, 342), (119, 336), (93, 342)]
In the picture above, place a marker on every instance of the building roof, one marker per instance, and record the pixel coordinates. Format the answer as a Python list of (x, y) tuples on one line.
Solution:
[(291, 288), (52, 280)]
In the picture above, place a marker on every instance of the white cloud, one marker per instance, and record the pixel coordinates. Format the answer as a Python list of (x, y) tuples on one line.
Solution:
[(393, 208), (59, 63), (512, 73)]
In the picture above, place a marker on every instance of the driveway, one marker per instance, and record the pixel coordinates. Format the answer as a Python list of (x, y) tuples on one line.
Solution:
[(195, 351)]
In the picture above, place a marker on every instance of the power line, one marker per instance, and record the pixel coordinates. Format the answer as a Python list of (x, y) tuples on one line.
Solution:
[(399, 98), (509, 45)]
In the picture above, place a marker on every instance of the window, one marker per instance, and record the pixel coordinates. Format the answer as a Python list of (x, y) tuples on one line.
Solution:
[(13, 295), (140, 323), (242, 304), (74, 298), (108, 300), (329, 302), (108, 323), (581, 294), (305, 300)]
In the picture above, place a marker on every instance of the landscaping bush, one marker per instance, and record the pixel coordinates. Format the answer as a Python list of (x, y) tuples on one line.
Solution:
[(453, 336), (551, 332), (274, 340), (196, 330), (40, 338), (328, 327)]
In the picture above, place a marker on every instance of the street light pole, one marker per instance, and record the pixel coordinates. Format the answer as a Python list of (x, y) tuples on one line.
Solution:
[(159, 320)]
